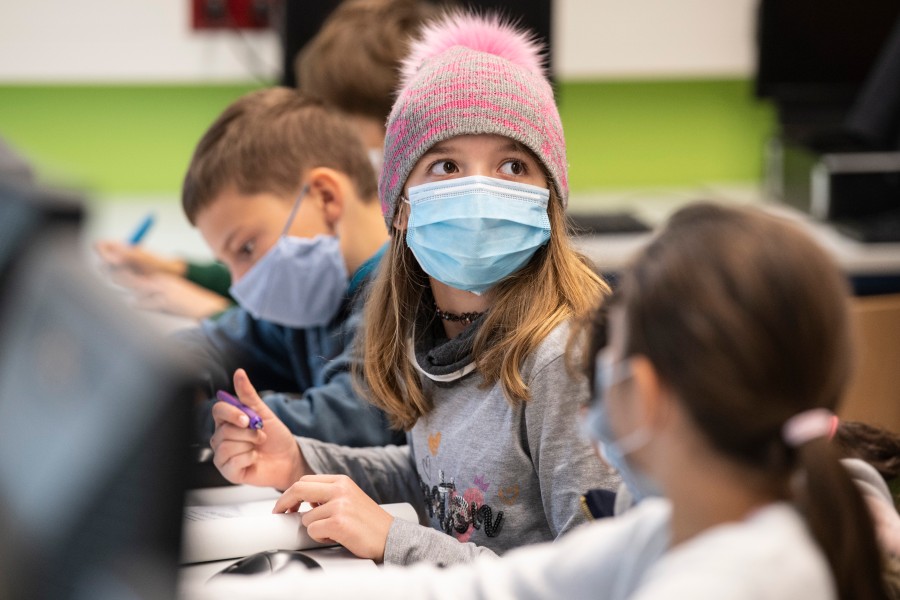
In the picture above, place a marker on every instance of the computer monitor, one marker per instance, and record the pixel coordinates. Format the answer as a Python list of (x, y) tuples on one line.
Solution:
[(95, 410), (814, 56), (875, 116), (25, 209)]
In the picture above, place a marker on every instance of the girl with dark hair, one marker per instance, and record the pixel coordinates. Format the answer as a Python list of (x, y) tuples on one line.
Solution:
[(729, 349)]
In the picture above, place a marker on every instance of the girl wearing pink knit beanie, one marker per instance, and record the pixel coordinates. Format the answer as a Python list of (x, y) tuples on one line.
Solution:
[(466, 327)]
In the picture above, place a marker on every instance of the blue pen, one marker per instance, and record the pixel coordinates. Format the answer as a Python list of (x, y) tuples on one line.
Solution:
[(141, 230), (255, 421)]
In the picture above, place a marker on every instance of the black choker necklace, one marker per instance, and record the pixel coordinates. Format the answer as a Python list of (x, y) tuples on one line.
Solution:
[(465, 318)]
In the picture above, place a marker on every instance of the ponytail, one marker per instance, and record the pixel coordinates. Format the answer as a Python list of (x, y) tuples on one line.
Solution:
[(764, 312), (840, 522)]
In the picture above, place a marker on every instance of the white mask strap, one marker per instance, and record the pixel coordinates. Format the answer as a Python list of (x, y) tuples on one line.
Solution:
[(290, 221)]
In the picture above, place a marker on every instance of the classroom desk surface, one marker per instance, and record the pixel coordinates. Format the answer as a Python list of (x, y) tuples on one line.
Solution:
[(612, 252), (193, 576)]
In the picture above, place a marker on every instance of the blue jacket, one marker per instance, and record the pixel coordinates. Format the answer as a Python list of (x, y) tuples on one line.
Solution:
[(304, 375)]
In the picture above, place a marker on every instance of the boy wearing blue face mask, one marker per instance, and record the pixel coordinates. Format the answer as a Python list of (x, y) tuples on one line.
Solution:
[(283, 193), (465, 328), (351, 64)]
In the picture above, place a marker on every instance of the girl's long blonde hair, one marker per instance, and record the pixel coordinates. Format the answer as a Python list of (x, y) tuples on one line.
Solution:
[(557, 284)]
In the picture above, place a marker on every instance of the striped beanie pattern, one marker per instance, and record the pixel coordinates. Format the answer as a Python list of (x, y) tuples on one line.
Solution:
[(470, 74)]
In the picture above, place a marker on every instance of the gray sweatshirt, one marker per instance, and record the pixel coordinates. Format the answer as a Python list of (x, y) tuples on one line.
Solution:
[(485, 475)]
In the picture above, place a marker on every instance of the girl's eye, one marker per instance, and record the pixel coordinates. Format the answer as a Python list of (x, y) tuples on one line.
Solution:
[(513, 167), (443, 167)]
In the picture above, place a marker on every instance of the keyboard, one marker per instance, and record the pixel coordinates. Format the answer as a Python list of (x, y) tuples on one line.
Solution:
[(884, 228), (605, 223)]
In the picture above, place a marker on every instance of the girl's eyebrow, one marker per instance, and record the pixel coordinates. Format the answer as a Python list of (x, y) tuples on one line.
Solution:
[(513, 146), (448, 148), (441, 148)]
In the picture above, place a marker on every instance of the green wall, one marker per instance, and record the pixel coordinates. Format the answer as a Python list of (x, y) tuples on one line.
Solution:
[(137, 139), (663, 133)]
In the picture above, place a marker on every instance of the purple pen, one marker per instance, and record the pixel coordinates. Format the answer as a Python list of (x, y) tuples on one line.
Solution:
[(255, 421)]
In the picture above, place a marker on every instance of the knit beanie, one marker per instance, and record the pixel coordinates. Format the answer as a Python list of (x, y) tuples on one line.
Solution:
[(470, 74)]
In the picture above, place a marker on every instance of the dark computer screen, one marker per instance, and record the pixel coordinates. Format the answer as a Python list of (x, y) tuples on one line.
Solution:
[(95, 415), (25, 209), (819, 51)]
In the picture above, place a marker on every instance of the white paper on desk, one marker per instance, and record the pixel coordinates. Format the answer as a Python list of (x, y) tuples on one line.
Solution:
[(236, 530), (230, 494)]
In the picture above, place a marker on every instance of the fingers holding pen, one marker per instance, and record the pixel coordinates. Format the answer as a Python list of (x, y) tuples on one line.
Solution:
[(235, 448), (235, 458), (234, 465), (228, 431), (225, 414), (246, 428)]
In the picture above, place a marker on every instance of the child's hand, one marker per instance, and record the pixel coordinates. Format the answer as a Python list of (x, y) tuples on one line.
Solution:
[(173, 295), (342, 513), (267, 457), (118, 255)]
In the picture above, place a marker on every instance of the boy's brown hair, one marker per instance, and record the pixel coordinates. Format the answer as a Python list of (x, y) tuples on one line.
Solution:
[(353, 62), (265, 141)]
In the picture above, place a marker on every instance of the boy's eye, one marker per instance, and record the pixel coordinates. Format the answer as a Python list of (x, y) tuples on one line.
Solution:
[(246, 250), (443, 167), (513, 167)]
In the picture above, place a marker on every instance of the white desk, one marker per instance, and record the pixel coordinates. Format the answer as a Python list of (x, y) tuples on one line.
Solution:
[(613, 252), (192, 576), (230, 494)]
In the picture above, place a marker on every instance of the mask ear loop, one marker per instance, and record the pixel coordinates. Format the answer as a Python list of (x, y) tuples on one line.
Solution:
[(290, 220), (608, 374)]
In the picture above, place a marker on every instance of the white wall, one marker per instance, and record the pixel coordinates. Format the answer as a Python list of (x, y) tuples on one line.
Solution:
[(123, 41), (151, 41), (653, 38)]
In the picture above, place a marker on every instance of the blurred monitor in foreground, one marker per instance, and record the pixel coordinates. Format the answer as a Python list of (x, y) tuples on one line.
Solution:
[(95, 419)]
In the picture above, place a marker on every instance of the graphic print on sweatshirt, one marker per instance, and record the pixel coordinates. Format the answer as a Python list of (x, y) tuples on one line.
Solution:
[(460, 514)]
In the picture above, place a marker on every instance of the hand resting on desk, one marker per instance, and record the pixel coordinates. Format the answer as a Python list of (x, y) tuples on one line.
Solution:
[(341, 512), (119, 255), (171, 294), (270, 456)]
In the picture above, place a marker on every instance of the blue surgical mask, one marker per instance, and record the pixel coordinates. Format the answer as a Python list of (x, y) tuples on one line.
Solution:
[(298, 283), (471, 232), (616, 450)]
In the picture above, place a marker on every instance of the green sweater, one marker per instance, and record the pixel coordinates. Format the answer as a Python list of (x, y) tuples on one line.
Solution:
[(213, 276)]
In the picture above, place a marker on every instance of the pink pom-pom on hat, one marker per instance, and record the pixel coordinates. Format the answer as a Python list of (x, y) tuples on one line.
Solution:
[(490, 34), (470, 74)]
